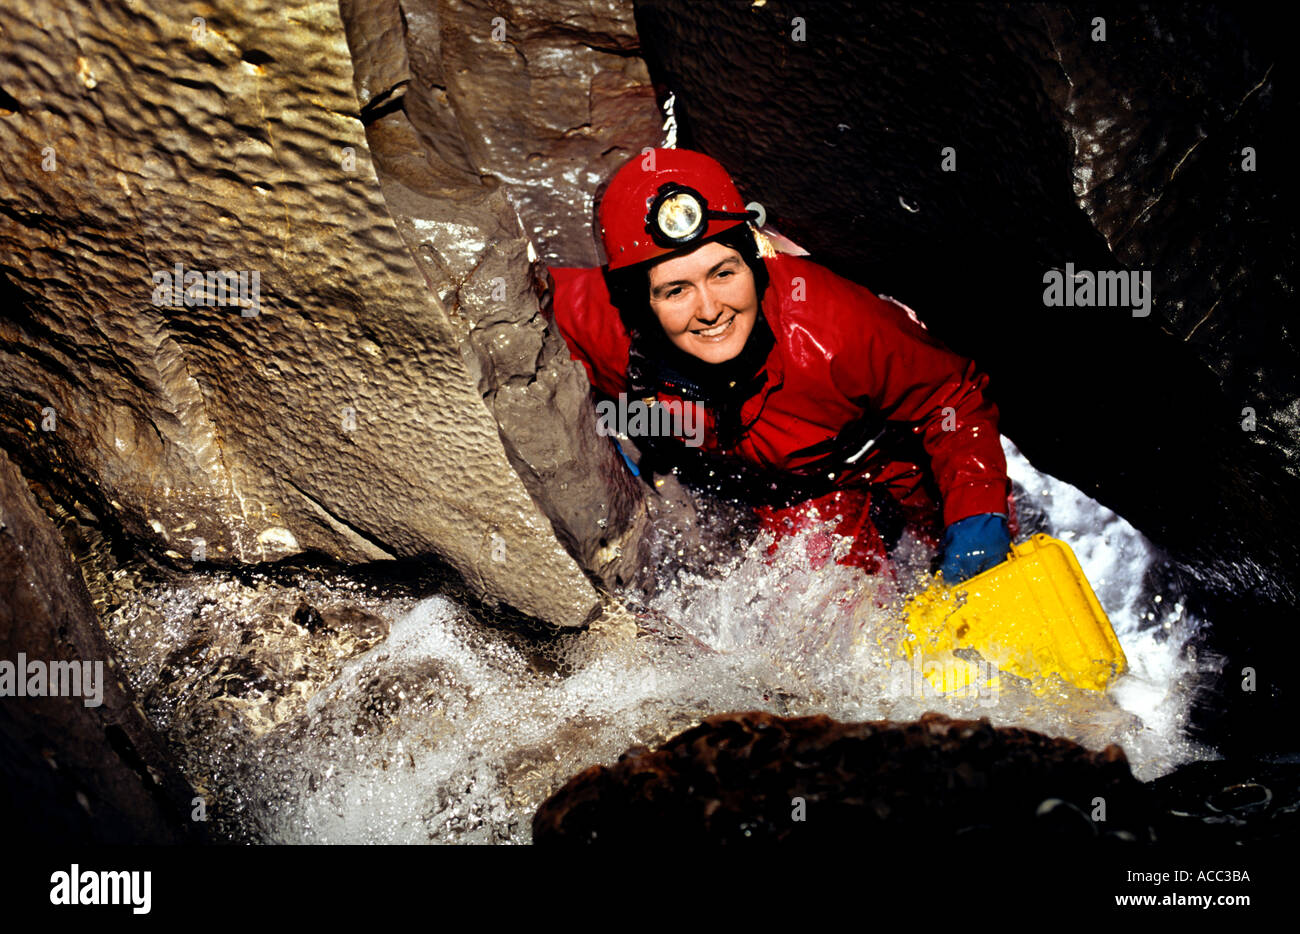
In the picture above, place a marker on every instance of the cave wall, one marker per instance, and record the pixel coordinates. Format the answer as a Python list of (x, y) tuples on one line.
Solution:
[(345, 416), (69, 772)]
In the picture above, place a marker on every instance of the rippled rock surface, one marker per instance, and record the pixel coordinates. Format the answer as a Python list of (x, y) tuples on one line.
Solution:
[(337, 406)]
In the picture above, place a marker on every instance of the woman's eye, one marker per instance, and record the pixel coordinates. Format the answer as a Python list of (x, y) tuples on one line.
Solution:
[(725, 272)]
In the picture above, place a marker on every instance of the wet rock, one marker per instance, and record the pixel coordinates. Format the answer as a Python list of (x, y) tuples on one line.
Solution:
[(182, 662), (409, 689), (240, 654), (241, 677), (1061, 818), (756, 776), (70, 773), (340, 408), (366, 628), (308, 617), (1231, 803), (490, 134)]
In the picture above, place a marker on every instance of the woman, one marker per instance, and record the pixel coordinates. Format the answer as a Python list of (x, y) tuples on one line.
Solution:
[(838, 400)]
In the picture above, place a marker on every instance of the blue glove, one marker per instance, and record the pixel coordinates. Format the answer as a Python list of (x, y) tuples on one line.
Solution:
[(972, 545), (627, 460)]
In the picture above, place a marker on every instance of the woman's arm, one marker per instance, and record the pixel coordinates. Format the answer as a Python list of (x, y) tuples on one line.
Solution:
[(900, 370)]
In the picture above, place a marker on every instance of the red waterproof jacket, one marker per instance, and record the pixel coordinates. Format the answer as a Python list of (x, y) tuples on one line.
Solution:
[(841, 353)]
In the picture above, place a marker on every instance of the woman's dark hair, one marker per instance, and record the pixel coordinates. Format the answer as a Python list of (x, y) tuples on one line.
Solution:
[(629, 290)]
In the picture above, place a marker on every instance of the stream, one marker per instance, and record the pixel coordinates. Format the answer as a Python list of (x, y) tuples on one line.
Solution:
[(310, 705)]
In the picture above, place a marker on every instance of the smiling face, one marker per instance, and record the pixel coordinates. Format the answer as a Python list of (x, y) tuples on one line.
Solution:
[(705, 301)]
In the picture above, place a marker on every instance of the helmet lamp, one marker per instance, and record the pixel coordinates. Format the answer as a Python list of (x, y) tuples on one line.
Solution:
[(678, 215)]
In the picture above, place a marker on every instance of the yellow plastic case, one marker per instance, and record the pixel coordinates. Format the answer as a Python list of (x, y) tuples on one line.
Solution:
[(1034, 615)]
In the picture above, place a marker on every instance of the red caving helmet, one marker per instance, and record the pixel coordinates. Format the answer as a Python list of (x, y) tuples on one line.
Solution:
[(663, 200)]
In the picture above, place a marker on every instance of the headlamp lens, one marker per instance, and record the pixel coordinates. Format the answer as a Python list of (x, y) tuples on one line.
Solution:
[(680, 215)]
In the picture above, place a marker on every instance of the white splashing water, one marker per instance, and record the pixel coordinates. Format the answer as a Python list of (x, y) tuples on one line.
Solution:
[(447, 732)]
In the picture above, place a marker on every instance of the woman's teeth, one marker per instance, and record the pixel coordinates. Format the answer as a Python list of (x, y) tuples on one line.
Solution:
[(717, 330)]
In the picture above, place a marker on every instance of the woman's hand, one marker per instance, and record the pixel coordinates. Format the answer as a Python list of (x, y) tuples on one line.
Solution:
[(974, 544)]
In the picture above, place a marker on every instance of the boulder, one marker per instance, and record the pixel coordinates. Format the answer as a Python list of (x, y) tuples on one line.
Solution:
[(758, 777)]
